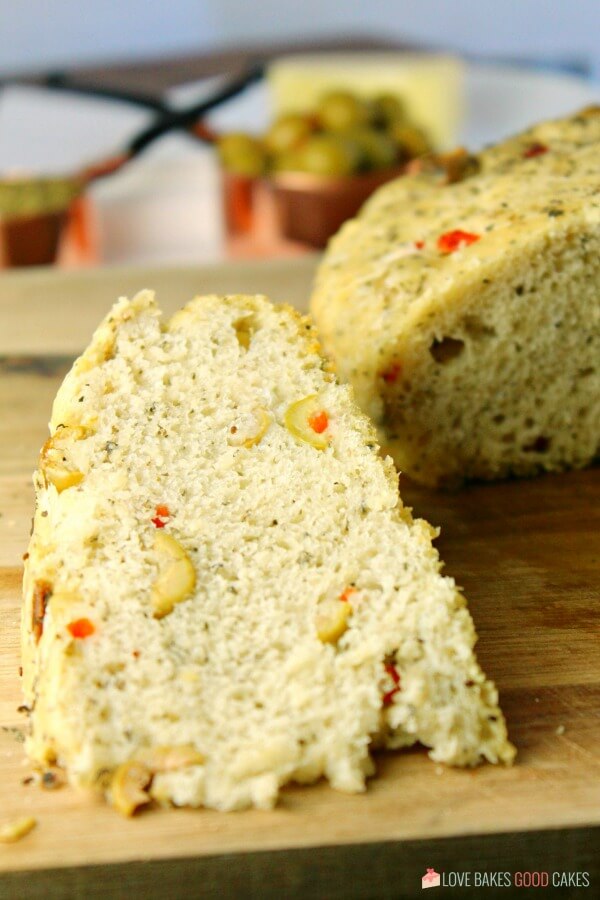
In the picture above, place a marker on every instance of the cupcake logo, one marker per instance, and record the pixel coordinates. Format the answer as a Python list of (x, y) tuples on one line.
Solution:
[(430, 879)]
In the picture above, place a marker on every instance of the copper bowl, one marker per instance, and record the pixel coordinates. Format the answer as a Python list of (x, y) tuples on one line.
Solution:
[(63, 233), (31, 240), (307, 209), (311, 208)]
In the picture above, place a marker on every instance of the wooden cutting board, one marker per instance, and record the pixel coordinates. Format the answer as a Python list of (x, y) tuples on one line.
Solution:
[(526, 553)]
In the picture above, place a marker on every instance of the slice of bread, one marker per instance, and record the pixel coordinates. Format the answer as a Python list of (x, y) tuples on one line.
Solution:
[(223, 591), (463, 304)]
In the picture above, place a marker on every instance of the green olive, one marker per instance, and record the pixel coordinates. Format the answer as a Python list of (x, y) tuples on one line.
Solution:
[(288, 132), (290, 161), (377, 149), (242, 154), (354, 149), (410, 140), (341, 111), (327, 154), (387, 109)]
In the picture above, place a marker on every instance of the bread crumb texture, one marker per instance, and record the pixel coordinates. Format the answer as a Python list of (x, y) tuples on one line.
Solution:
[(231, 596), (463, 304)]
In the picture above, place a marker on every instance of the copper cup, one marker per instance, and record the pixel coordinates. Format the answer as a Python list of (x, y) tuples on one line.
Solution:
[(294, 208), (312, 208), (38, 228), (31, 240)]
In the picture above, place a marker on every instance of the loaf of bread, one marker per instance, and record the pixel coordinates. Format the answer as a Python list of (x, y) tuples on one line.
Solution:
[(223, 591), (463, 304)]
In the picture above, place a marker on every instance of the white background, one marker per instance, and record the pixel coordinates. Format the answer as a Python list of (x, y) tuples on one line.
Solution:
[(36, 34)]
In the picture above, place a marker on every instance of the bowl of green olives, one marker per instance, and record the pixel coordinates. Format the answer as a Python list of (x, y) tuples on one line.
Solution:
[(319, 167)]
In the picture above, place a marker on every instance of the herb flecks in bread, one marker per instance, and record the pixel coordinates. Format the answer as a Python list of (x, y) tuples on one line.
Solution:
[(233, 596), (463, 304)]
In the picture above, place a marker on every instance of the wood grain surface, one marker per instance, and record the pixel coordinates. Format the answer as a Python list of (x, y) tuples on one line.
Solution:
[(527, 554)]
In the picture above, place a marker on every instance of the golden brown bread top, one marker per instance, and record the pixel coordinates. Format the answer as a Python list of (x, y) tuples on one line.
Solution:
[(389, 268)]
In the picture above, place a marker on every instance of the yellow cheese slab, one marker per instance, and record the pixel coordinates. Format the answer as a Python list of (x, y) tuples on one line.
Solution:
[(430, 86)]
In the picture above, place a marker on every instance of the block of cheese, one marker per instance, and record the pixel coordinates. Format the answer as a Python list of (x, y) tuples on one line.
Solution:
[(430, 86), (463, 304), (223, 591)]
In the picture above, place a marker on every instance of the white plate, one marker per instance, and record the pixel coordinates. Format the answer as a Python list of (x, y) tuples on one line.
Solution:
[(501, 100)]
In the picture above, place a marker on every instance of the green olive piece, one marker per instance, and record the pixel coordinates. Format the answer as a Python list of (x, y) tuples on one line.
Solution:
[(287, 133), (410, 140), (377, 149), (386, 109), (326, 154), (341, 111), (242, 154)]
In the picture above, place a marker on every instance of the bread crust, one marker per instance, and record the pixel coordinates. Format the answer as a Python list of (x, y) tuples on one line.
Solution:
[(520, 290)]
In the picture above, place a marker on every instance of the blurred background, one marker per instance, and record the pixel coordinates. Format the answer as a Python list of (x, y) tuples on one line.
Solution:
[(504, 65), (36, 36)]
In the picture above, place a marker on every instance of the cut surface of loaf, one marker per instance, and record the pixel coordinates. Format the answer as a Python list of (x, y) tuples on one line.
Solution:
[(224, 592), (463, 304)]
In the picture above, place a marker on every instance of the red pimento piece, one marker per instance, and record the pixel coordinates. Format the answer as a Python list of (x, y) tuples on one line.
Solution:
[(392, 671), (454, 240), (162, 513), (419, 245), (345, 595), (81, 628), (535, 149), (318, 422), (390, 376)]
